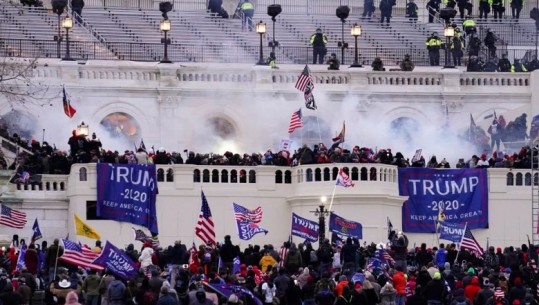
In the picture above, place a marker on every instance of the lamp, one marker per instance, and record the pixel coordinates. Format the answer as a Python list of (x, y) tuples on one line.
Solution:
[(356, 32), (273, 11), (67, 24), (261, 29), (165, 26), (449, 33), (58, 7), (342, 13), (321, 213), (83, 129)]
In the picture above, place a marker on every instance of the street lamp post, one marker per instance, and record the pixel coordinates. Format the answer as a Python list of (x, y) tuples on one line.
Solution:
[(449, 33), (67, 24), (83, 129), (261, 30), (321, 213), (356, 32), (165, 26)]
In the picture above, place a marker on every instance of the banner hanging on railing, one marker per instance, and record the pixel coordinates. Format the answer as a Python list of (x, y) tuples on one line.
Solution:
[(127, 192), (460, 194)]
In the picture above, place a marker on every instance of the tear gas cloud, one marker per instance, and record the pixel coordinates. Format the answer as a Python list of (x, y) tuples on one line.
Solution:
[(261, 122)]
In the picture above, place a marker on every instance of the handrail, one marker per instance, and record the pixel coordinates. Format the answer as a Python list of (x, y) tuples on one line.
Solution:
[(7, 144), (85, 25)]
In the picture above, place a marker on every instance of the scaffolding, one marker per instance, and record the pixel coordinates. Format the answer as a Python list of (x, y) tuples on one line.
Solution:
[(535, 193)]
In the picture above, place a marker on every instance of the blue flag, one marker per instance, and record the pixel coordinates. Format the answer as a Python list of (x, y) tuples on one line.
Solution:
[(304, 228), (127, 193), (236, 265), (243, 293), (20, 259), (345, 227), (36, 231), (452, 231), (247, 221), (117, 262)]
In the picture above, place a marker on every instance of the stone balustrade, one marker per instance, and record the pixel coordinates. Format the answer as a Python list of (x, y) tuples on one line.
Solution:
[(283, 79)]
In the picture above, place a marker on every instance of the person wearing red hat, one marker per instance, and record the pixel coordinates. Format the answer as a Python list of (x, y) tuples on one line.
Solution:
[(518, 291)]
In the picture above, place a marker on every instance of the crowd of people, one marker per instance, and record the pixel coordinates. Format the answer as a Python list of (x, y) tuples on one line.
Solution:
[(45, 159), (344, 272)]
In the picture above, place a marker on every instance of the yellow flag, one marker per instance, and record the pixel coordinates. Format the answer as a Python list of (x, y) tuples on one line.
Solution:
[(85, 230)]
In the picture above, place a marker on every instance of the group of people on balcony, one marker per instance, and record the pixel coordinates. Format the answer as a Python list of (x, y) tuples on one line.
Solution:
[(465, 8)]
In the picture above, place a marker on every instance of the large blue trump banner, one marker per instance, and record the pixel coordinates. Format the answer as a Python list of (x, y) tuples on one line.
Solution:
[(461, 195), (127, 192), (117, 262), (345, 227), (304, 228)]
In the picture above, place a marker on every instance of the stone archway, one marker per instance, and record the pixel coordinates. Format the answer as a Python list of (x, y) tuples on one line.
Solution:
[(121, 125)]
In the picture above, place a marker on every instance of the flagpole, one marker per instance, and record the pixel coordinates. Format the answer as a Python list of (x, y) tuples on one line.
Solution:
[(332, 196), (319, 132), (461, 238)]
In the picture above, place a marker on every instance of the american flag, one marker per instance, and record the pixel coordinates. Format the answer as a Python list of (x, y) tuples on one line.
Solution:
[(296, 121), (140, 235), (78, 255), (205, 228), (304, 80), (12, 218), (245, 215), (340, 137), (343, 179), (469, 242), (384, 257)]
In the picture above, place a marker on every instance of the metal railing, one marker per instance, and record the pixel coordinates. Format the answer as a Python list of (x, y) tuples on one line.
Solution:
[(203, 53)]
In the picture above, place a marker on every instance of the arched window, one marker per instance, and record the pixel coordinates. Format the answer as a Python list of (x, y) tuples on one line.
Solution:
[(317, 174), (287, 177), (327, 175), (373, 174), (309, 175), (121, 125), (234, 176), (519, 179), (160, 175), (196, 175), (252, 176), (224, 176), (215, 176), (528, 179), (355, 174), (83, 176), (510, 179), (278, 177), (170, 175), (334, 173), (243, 176), (205, 176), (364, 174)]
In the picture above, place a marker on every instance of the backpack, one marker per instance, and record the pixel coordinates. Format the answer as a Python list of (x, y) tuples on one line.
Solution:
[(313, 257), (325, 253)]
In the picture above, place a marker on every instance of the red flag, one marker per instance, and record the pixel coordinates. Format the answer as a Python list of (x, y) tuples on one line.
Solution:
[(68, 109)]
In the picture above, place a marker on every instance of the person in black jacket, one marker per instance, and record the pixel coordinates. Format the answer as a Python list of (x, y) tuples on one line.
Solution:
[(435, 289), (386, 8), (433, 7), (504, 65), (77, 6), (348, 255), (227, 253)]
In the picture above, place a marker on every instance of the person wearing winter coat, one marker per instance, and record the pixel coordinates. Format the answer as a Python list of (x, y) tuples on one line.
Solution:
[(293, 260), (116, 292), (473, 289), (388, 295), (166, 297), (435, 290), (145, 258), (72, 298)]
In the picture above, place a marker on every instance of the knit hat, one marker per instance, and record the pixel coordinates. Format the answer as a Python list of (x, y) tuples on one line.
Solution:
[(233, 299), (471, 270), (437, 275), (498, 293)]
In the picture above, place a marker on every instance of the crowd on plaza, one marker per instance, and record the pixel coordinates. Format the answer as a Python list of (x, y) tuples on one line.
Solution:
[(345, 272)]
